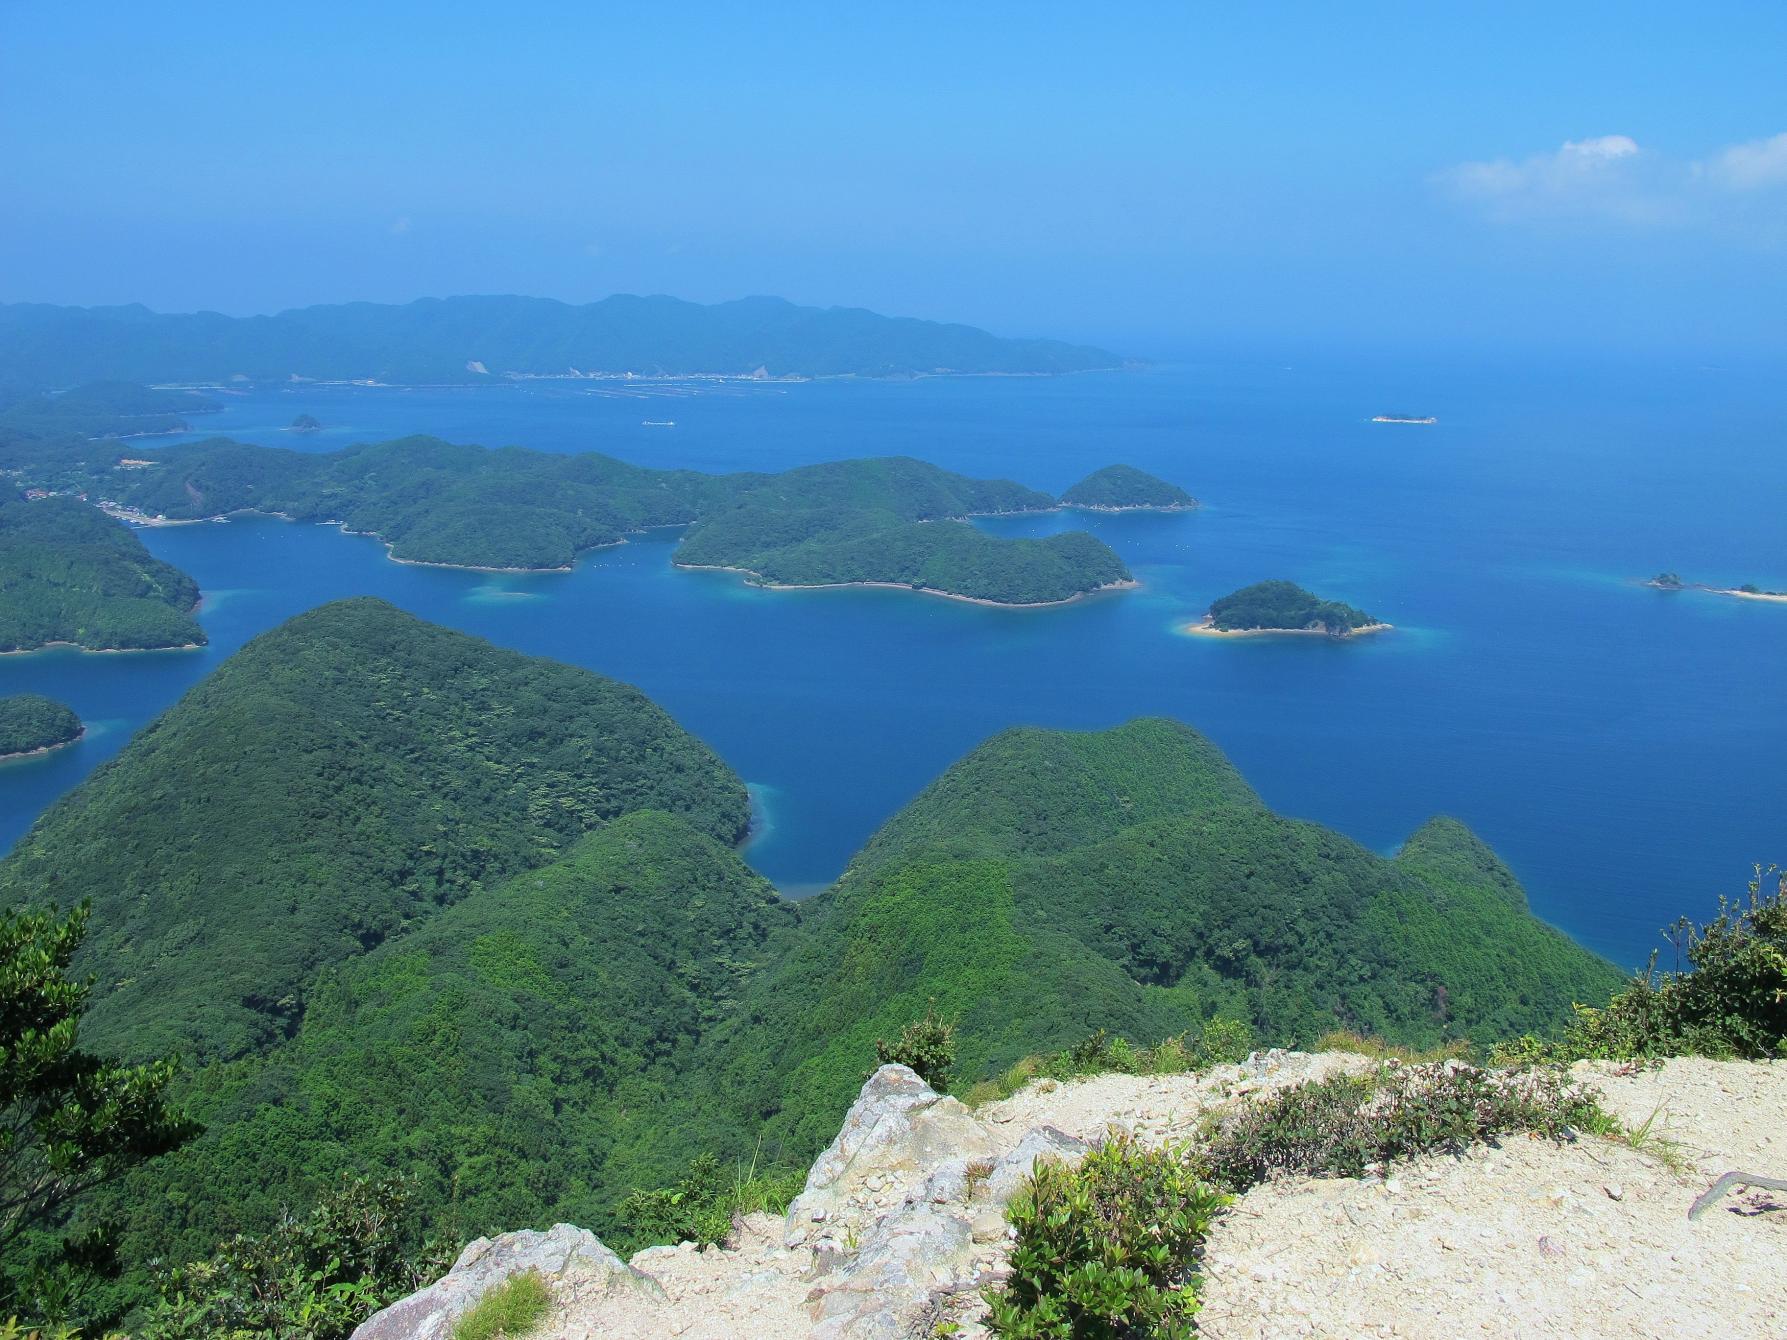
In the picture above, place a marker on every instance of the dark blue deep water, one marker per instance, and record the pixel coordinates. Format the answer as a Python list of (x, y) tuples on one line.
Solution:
[(1622, 748)]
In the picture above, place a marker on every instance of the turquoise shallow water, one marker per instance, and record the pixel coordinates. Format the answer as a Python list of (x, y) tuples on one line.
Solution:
[(1620, 747)]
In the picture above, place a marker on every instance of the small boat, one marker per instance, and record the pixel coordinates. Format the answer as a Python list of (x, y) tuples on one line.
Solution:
[(657, 423)]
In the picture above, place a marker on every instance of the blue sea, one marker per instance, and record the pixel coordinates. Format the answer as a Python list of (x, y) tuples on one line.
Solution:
[(1622, 748)]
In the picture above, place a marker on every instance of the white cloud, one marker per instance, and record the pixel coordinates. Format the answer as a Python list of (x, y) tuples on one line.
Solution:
[(1611, 179), (400, 225), (1757, 165), (1605, 176)]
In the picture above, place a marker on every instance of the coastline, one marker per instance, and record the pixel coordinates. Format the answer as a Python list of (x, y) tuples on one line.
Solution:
[(1207, 629), (1112, 509), (101, 651), (761, 585), (1769, 597), (45, 749)]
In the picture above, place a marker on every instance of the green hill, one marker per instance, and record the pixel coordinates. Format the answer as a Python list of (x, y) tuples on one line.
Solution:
[(415, 904), (473, 339), (338, 780), (69, 573), (1285, 607), (525, 1054), (1123, 488), (30, 722), (1052, 883)]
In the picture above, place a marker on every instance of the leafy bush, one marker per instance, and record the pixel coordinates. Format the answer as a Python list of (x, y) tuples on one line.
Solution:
[(70, 1121), (514, 1308), (316, 1277), (1346, 1125), (703, 1205), (10, 1329), (1732, 1001), (1107, 1249), (927, 1046)]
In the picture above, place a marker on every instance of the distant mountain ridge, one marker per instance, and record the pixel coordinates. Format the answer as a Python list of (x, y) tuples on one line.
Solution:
[(480, 339)]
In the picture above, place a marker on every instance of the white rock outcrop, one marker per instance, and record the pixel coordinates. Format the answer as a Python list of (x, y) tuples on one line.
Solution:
[(901, 1225), (571, 1260)]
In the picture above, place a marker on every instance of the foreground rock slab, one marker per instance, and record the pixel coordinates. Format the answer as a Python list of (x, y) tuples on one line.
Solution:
[(901, 1224)]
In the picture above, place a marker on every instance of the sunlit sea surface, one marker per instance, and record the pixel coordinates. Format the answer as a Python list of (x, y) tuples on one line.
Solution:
[(1622, 748)]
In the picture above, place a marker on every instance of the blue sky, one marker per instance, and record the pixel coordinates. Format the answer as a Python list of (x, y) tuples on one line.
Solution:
[(1162, 178)]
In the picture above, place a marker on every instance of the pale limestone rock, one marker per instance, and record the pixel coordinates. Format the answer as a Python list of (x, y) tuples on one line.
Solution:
[(571, 1260)]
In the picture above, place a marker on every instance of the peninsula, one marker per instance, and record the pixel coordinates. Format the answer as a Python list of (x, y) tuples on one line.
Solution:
[(33, 724), (890, 521), (1280, 607), (1123, 488), (71, 575)]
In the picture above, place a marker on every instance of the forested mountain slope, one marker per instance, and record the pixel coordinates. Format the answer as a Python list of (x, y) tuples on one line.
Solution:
[(1053, 883), (475, 339), (417, 905), (339, 779), (70, 573)]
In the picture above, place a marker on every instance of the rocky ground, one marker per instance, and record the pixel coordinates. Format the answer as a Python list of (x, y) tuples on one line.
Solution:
[(902, 1224)]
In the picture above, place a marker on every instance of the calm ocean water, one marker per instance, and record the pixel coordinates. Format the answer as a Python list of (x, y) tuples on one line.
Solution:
[(1623, 749)]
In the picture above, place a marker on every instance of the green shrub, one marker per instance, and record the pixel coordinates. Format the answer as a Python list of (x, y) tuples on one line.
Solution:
[(514, 1308), (927, 1046), (10, 1329), (1107, 1249), (1346, 1125), (1730, 1003), (702, 1206), (315, 1277)]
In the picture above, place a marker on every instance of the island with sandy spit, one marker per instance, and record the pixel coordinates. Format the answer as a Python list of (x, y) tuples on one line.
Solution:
[(1670, 581), (1278, 608), (1123, 488), (33, 724)]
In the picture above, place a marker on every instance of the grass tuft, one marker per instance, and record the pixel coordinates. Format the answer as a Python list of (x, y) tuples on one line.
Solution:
[(516, 1307)]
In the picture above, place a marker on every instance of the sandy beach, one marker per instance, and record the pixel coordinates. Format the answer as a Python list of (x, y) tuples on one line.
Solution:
[(1207, 629), (916, 590)]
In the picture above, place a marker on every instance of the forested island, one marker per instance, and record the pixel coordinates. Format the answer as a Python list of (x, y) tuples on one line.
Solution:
[(33, 724), (305, 423), (478, 339), (543, 976), (1283, 607), (71, 574), (888, 522), (1123, 488)]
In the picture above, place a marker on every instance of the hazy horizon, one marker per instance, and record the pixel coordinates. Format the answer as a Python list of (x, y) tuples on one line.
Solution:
[(1609, 178)]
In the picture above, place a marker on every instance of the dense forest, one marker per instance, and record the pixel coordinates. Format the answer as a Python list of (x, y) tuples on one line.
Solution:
[(30, 722), (410, 903), (1123, 488), (437, 502), (337, 780), (894, 521), (70, 573), (1285, 606), (476, 339)]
